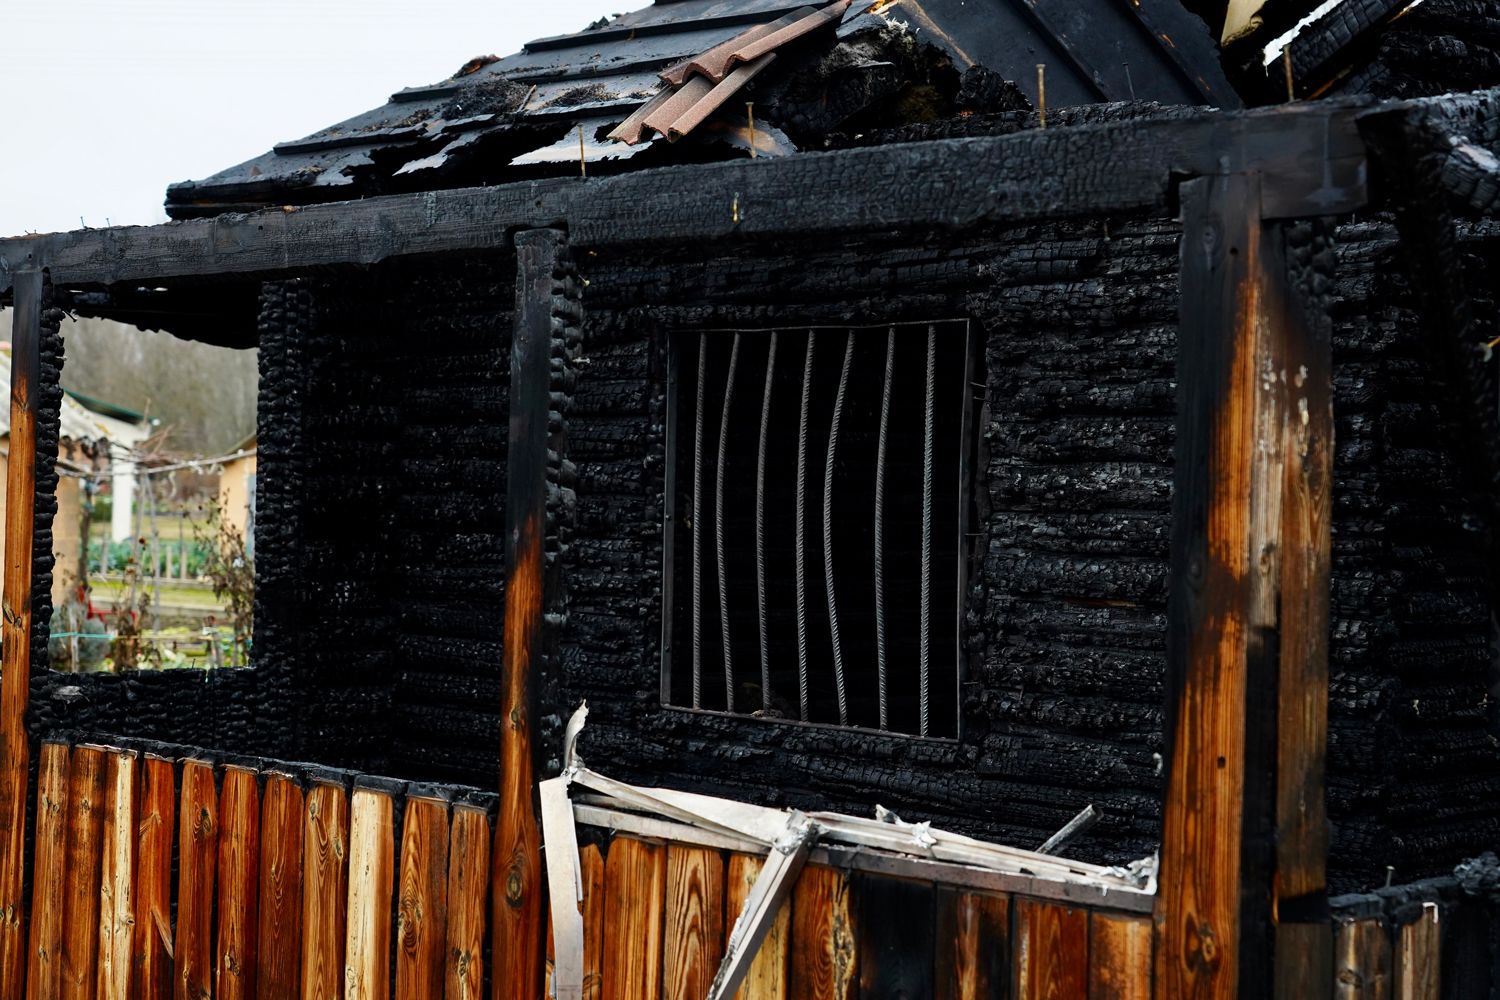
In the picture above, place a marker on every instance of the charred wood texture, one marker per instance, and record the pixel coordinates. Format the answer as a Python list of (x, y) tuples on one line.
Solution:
[(1438, 47), (384, 417), (48, 422)]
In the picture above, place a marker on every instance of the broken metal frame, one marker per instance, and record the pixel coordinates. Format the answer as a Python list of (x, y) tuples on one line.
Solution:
[(788, 839), (1244, 174)]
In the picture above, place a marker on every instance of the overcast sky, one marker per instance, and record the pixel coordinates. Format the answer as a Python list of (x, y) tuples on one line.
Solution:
[(106, 102)]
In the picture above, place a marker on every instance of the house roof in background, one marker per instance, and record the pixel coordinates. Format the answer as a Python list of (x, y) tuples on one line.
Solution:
[(533, 107), (78, 424), (106, 408)]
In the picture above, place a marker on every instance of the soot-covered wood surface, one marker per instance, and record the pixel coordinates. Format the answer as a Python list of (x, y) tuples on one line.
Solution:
[(383, 417)]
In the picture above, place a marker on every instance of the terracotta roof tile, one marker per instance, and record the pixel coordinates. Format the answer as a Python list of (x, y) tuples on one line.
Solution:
[(697, 87), (717, 97)]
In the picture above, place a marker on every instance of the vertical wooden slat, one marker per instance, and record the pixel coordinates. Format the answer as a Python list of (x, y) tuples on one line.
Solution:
[(153, 976), (973, 946), (1304, 959), (422, 914), (823, 964), (197, 853), (1362, 966), (591, 874), (1469, 947), (239, 887), (278, 945), (468, 880), (1052, 950), (51, 877), (693, 940), (15, 630), (325, 885), (117, 877), (767, 977), (80, 948), (1120, 957), (367, 949), (895, 929), (1419, 957), (635, 882), (517, 868)]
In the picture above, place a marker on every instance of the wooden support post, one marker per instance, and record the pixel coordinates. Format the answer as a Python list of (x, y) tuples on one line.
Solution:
[(15, 633), (517, 926), (1244, 841)]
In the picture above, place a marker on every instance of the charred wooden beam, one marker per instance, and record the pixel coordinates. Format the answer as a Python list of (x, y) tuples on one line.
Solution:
[(516, 859), (1244, 840), (15, 632), (1310, 156), (1297, 304)]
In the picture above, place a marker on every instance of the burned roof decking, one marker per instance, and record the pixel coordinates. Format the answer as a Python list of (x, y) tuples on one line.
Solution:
[(602, 71), (599, 76)]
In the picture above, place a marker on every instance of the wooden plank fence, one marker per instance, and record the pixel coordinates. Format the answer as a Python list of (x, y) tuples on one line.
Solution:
[(157, 877), (182, 877)]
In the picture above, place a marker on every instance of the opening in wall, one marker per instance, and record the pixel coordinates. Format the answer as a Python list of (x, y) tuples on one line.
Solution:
[(817, 508)]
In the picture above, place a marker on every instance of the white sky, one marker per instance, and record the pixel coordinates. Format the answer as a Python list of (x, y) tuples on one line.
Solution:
[(106, 102)]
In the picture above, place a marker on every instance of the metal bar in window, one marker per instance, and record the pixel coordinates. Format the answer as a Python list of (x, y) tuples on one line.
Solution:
[(885, 421), (833, 610), (674, 664), (734, 360), (697, 528), (801, 540), (760, 528), (927, 444), (965, 490)]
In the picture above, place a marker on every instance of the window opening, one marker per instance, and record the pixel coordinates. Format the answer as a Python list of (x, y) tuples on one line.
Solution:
[(817, 505)]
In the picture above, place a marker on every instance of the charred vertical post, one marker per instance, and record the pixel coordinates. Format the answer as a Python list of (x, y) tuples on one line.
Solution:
[(1243, 842), (1304, 939), (517, 924), (15, 634)]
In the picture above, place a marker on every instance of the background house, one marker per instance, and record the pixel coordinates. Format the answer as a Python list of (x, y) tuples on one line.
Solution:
[(85, 441), (237, 491)]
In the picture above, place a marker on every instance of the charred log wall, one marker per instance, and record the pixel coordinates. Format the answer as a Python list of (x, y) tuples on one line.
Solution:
[(1063, 697), (383, 413), (447, 582), (1413, 762), (1063, 700), (389, 598), (383, 419)]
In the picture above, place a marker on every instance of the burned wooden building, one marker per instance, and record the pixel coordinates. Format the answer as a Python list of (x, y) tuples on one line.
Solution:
[(967, 409)]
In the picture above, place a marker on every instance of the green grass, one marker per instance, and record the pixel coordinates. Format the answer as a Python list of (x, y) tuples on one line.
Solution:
[(172, 594)]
